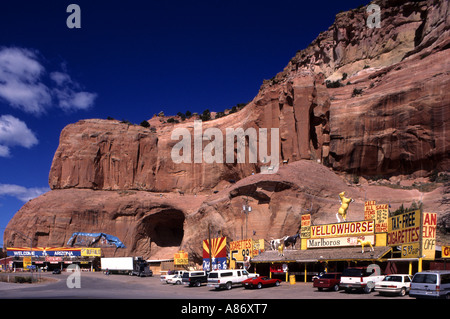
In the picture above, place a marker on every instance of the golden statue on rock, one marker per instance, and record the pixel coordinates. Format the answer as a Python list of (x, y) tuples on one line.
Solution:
[(344, 207)]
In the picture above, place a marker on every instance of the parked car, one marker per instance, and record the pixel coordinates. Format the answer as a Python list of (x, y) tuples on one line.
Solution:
[(260, 282), (431, 284), (175, 280), (359, 278), (228, 278), (165, 278), (195, 278), (329, 280), (394, 284)]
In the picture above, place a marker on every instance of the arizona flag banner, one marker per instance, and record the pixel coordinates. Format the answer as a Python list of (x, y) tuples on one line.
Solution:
[(218, 252)]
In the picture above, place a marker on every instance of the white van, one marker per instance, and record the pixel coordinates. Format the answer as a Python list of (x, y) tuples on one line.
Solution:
[(228, 278)]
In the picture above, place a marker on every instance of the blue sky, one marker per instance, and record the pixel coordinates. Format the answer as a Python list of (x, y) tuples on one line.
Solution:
[(130, 60)]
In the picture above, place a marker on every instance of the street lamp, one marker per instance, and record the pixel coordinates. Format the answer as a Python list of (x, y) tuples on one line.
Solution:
[(247, 209)]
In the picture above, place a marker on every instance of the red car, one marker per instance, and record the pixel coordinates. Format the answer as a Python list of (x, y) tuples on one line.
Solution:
[(328, 281), (260, 282)]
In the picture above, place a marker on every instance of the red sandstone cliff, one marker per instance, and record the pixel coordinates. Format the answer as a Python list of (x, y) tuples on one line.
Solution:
[(388, 118)]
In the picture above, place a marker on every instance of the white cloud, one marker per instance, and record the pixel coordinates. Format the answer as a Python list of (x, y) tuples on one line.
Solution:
[(66, 93), (20, 75), (22, 84), (22, 193), (14, 132)]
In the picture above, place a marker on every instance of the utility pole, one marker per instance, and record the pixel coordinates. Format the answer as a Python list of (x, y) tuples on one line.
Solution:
[(209, 244), (247, 209)]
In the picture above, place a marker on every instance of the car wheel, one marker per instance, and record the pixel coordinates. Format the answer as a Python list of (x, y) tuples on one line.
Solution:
[(277, 283), (403, 292), (259, 286), (228, 285), (197, 284), (367, 290), (336, 288)]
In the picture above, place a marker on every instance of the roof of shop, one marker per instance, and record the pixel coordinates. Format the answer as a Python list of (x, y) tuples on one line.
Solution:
[(319, 254)]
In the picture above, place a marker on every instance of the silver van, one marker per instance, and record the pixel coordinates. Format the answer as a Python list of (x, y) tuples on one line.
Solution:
[(431, 284)]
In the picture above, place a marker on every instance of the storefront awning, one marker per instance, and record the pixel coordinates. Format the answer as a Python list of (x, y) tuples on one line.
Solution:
[(325, 254)]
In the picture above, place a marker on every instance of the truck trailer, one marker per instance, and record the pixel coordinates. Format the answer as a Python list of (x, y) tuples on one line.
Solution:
[(126, 265)]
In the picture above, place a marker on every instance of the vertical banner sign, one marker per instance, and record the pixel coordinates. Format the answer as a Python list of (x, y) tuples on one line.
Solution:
[(429, 235), (369, 210), (305, 230), (404, 231), (26, 262), (218, 251), (380, 213), (381, 218)]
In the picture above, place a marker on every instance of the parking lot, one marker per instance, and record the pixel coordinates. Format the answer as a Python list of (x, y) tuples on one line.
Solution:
[(98, 285)]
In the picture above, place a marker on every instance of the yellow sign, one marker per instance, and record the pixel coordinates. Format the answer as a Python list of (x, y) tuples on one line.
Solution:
[(258, 247), (91, 252), (445, 251), (239, 251), (379, 213), (365, 227), (410, 250), (305, 230), (181, 258), (429, 235), (381, 218), (369, 210), (26, 262), (404, 229)]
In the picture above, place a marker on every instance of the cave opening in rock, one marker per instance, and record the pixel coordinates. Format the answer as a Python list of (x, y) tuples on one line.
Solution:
[(162, 232)]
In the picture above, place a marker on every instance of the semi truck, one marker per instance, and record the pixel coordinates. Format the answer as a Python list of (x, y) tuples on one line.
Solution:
[(126, 265)]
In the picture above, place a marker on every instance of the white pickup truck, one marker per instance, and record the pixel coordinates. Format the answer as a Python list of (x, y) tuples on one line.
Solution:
[(361, 278), (228, 278)]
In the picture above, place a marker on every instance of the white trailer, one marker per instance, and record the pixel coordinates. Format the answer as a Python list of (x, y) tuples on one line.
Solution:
[(126, 265)]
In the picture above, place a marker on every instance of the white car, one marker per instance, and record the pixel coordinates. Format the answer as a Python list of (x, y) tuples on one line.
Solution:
[(165, 278), (175, 280), (394, 284)]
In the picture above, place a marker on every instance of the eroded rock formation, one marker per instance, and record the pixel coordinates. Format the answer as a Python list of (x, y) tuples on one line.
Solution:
[(386, 116)]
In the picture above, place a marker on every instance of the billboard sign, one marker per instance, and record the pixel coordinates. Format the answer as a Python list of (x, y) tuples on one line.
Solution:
[(43, 251), (305, 230), (429, 235), (181, 258), (404, 228), (361, 228), (338, 241), (218, 253)]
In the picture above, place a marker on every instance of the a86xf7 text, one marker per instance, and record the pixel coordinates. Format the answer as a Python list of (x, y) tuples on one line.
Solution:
[(257, 308)]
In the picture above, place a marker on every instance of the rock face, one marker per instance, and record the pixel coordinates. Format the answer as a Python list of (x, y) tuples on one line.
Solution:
[(361, 101)]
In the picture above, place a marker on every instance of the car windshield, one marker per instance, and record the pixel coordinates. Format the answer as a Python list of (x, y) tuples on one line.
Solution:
[(353, 272), (425, 278), (393, 278), (186, 275), (327, 276), (213, 275)]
